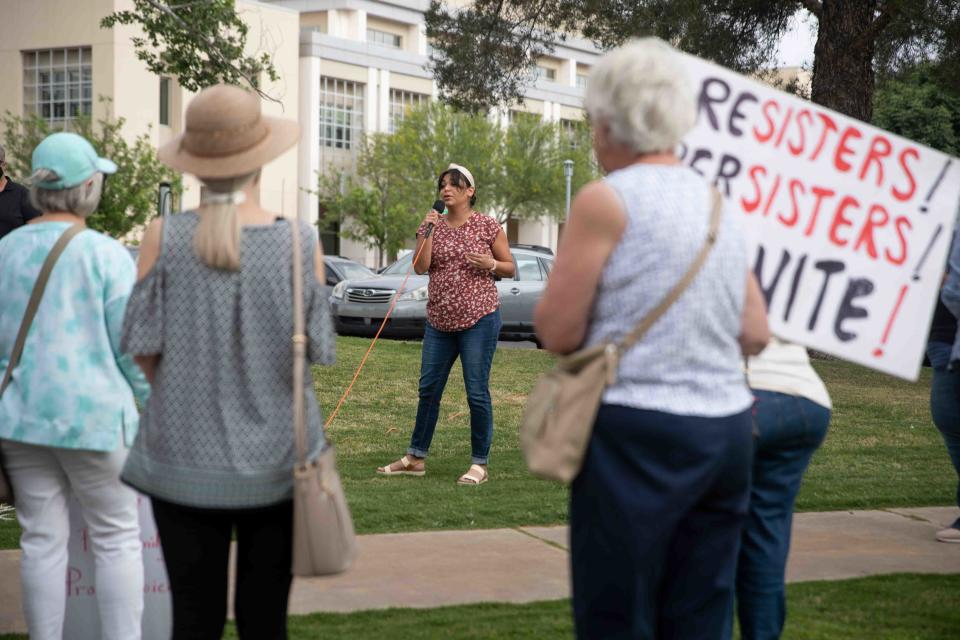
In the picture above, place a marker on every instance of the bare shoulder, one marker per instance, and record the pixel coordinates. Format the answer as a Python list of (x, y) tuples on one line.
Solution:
[(599, 205)]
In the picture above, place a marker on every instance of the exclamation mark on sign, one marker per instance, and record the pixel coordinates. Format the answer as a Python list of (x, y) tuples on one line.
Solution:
[(878, 352), (943, 172), (926, 252)]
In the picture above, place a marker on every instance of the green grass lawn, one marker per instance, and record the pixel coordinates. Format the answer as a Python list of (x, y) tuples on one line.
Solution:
[(882, 450), (895, 607), (899, 607)]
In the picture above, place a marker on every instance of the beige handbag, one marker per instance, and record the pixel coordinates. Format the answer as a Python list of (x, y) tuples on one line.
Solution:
[(560, 412), (6, 489), (324, 541)]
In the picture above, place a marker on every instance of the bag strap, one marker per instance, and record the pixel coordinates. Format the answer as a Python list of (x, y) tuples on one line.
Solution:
[(34, 302), (638, 332), (299, 348)]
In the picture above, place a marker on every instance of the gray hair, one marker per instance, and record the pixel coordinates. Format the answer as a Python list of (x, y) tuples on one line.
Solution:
[(643, 93), (81, 200)]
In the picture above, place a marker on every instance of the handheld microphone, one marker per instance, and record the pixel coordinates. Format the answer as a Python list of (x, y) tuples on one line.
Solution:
[(439, 207)]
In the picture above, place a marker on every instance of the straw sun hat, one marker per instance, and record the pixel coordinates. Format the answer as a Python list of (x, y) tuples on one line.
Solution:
[(226, 135)]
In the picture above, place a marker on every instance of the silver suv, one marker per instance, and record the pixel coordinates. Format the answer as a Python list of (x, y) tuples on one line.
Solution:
[(359, 305)]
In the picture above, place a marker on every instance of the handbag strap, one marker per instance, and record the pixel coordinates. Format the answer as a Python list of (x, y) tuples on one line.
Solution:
[(34, 302), (638, 332), (299, 348)]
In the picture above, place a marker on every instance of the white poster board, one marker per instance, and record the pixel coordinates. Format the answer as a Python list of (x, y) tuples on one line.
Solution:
[(851, 225), (82, 619)]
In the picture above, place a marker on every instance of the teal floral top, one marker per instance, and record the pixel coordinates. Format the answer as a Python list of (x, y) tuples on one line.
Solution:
[(73, 388)]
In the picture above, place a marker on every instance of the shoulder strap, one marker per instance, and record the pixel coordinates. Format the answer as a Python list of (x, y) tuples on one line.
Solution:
[(35, 296), (638, 332), (299, 347)]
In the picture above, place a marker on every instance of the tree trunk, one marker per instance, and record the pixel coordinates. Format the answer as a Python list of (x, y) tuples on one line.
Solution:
[(843, 57)]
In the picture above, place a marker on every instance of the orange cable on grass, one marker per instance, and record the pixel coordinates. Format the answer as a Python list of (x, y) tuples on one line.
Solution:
[(363, 361)]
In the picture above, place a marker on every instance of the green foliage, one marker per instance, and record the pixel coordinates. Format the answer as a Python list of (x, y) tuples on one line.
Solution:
[(519, 172), (129, 196), (483, 54), (917, 106), (200, 43)]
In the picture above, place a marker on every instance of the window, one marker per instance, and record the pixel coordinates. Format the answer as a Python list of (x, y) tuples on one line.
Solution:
[(570, 132), (58, 84), (581, 81), (341, 113), (546, 265), (545, 73), (384, 38), (528, 268), (401, 102), (165, 101)]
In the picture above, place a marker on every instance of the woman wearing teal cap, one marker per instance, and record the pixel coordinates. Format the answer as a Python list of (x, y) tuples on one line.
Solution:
[(67, 403)]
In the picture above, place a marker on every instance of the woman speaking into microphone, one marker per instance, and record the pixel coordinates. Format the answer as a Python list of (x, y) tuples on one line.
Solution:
[(462, 251)]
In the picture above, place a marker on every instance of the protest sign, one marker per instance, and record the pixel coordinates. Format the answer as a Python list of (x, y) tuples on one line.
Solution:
[(849, 225), (82, 619)]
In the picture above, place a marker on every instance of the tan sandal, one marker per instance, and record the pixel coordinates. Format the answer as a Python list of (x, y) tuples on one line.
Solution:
[(479, 478), (407, 468)]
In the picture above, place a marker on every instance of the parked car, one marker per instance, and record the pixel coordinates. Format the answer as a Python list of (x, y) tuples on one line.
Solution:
[(337, 269), (359, 305)]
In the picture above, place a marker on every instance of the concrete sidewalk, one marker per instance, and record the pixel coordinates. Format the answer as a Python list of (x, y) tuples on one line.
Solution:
[(526, 564)]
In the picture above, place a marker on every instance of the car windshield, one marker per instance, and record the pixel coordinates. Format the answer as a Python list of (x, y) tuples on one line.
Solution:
[(399, 267), (354, 270)]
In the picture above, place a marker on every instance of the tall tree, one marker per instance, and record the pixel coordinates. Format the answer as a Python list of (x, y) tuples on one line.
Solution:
[(519, 172), (129, 196), (200, 42), (483, 54)]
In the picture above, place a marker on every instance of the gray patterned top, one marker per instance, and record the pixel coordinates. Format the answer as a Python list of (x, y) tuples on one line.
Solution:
[(689, 363), (217, 431)]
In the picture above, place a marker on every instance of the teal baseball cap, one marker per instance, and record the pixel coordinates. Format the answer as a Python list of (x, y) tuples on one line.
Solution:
[(71, 157)]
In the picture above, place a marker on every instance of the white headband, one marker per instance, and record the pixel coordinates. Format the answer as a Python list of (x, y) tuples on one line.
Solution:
[(466, 174)]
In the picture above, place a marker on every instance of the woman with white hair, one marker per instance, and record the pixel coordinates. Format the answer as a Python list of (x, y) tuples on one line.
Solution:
[(67, 409), (657, 509)]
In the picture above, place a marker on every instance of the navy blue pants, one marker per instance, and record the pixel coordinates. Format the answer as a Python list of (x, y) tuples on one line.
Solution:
[(945, 404), (655, 520)]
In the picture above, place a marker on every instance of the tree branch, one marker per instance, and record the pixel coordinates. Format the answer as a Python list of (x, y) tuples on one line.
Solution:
[(211, 47), (881, 22), (813, 6)]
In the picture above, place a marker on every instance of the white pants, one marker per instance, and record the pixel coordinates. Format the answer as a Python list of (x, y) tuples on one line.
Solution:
[(43, 478)]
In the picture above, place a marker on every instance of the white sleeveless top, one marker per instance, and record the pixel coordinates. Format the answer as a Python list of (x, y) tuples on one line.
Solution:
[(689, 363)]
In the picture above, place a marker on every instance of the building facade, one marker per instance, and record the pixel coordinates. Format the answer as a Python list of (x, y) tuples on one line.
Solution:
[(347, 68)]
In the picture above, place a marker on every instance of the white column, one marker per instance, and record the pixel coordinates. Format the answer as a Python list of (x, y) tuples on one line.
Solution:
[(361, 26), (334, 27), (570, 67), (309, 148), (370, 102), (383, 121), (421, 39)]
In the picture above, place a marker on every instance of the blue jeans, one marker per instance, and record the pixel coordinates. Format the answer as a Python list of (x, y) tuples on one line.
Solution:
[(790, 429), (945, 404), (655, 518), (475, 346)]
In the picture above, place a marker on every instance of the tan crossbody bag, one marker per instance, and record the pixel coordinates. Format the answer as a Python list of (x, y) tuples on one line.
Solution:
[(6, 489), (324, 541), (560, 412)]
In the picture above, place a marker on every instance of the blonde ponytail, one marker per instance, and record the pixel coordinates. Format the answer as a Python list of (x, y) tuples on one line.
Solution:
[(217, 238)]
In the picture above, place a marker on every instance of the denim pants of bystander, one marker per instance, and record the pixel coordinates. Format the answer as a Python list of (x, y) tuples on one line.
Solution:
[(790, 429)]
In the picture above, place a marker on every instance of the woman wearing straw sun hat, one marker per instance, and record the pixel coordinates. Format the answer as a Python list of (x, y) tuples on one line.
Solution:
[(67, 406), (209, 321)]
